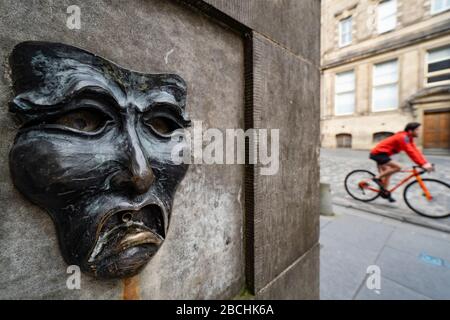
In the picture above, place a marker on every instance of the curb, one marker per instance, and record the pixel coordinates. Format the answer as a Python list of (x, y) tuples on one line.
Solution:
[(417, 220)]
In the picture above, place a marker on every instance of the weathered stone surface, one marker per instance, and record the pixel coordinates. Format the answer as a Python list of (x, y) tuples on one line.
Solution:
[(298, 282), (202, 256), (286, 213), (294, 24), (203, 253)]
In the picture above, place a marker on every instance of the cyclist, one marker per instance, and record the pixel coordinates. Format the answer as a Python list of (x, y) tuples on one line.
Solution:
[(401, 141)]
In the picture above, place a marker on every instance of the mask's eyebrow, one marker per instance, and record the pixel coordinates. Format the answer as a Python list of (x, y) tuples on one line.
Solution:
[(34, 104), (44, 98), (99, 93), (162, 98)]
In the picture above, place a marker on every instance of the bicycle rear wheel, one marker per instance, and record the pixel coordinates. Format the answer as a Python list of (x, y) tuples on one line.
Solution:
[(437, 207), (360, 186)]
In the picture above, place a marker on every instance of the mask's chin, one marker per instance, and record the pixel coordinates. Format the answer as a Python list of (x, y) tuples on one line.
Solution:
[(126, 241)]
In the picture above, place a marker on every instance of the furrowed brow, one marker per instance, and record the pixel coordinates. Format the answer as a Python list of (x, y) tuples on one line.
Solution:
[(159, 98), (98, 93), (33, 104)]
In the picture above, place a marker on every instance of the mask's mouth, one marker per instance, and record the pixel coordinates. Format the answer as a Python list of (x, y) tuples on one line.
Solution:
[(127, 229)]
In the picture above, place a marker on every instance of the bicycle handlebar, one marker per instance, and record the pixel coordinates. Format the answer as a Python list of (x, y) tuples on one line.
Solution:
[(423, 170)]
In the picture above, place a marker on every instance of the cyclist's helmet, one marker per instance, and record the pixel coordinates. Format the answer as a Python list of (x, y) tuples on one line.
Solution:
[(412, 126)]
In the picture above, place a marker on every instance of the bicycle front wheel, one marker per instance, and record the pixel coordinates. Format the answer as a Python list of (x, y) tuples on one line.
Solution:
[(360, 186), (438, 206)]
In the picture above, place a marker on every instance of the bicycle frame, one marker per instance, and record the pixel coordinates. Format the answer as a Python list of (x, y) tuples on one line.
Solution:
[(414, 173)]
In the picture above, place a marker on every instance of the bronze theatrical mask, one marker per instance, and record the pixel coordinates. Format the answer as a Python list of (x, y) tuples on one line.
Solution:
[(94, 151)]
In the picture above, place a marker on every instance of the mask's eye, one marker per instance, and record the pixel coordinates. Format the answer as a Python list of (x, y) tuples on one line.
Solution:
[(87, 120), (162, 125)]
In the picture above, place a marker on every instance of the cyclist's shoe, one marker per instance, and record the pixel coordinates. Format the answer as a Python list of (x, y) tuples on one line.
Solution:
[(390, 199)]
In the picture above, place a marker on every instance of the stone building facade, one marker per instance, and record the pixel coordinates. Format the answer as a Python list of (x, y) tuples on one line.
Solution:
[(385, 63)]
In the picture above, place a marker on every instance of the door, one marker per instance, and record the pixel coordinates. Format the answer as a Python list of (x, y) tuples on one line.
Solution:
[(436, 130), (379, 136), (344, 140)]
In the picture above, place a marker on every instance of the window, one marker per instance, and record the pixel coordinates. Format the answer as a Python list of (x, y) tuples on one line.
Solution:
[(385, 86), (438, 6), (344, 102), (378, 136), (438, 66), (344, 140), (386, 16), (345, 32)]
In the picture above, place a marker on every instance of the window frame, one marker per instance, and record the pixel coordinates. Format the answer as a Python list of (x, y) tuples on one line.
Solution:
[(379, 6), (344, 92), (341, 23), (435, 73), (433, 10), (396, 82)]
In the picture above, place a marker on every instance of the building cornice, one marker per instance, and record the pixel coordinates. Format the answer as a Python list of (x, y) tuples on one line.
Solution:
[(391, 45), (426, 92)]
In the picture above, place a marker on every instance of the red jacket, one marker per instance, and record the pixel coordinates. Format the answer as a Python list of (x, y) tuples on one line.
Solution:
[(401, 141)]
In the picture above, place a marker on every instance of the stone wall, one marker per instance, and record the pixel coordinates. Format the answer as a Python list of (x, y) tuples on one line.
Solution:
[(225, 235), (412, 16), (282, 91)]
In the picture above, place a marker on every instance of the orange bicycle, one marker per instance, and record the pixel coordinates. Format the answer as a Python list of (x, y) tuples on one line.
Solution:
[(427, 197)]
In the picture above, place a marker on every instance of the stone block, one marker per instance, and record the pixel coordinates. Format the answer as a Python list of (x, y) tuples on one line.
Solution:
[(286, 204)]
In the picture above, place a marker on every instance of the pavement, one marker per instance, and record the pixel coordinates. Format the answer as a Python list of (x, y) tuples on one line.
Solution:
[(405, 261), (337, 163)]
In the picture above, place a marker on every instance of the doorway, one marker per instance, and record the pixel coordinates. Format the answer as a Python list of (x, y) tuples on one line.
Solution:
[(436, 130), (344, 140)]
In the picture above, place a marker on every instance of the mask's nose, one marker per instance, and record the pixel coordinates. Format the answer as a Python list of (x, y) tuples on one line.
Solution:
[(141, 173)]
